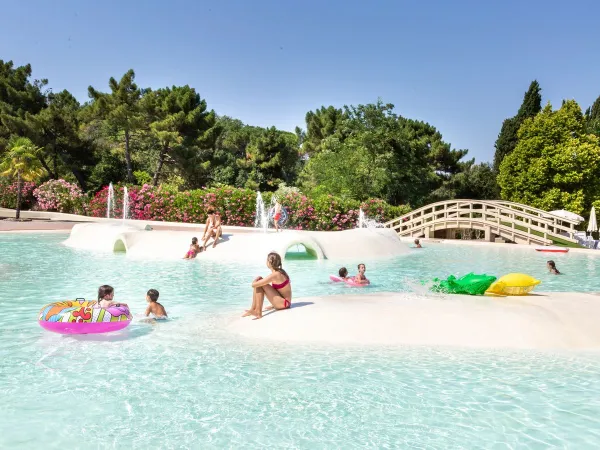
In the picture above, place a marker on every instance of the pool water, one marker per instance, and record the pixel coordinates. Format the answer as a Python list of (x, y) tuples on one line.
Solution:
[(189, 383)]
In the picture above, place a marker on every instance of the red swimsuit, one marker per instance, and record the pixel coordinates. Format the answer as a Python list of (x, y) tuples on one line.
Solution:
[(286, 302)]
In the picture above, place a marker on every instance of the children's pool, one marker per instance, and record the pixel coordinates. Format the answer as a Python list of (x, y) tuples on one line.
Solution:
[(188, 383)]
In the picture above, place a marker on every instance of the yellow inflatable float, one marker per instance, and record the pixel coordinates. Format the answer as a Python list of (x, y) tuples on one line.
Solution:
[(513, 284)]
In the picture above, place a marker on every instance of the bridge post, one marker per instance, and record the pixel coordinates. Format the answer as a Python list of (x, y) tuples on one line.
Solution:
[(489, 237)]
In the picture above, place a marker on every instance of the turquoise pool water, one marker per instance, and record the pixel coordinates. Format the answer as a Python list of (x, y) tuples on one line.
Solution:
[(188, 383)]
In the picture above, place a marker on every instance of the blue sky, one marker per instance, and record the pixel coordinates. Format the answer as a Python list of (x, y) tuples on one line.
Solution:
[(462, 66)]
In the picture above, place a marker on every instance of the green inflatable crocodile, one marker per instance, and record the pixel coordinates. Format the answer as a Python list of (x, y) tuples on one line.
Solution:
[(470, 284)]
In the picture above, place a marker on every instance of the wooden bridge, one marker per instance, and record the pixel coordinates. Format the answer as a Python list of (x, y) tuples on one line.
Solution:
[(495, 219)]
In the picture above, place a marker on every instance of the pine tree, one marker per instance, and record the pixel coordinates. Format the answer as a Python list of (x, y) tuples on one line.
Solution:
[(592, 118), (507, 139)]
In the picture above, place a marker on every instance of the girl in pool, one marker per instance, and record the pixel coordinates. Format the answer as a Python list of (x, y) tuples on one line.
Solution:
[(106, 294), (276, 286), (194, 249), (552, 268), (360, 276)]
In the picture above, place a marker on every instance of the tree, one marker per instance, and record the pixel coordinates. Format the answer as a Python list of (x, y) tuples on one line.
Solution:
[(120, 110), (181, 125), (272, 158), (376, 153), (320, 124), (18, 96), (555, 164), (55, 129), (21, 162), (592, 118), (474, 181), (507, 139)]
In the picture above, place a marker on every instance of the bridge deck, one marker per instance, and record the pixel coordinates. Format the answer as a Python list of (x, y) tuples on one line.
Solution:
[(511, 221)]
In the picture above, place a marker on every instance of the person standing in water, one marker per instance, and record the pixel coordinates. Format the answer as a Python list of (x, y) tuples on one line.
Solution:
[(277, 215)]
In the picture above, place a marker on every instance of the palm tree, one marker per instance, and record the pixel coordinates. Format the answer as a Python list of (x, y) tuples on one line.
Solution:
[(21, 161)]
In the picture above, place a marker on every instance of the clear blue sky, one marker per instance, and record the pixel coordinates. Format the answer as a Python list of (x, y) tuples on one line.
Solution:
[(463, 66)]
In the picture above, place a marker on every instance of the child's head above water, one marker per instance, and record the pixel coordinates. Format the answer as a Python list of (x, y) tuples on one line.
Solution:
[(416, 242), (362, 268), (105, 291), (343, 272), (194, 241), (152, 295)]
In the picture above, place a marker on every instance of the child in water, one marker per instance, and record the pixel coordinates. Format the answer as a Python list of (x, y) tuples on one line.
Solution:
[(360, 276), (343, 272), (154, 307), (194, 249), (417, 244), (106, 294), (552, 268)]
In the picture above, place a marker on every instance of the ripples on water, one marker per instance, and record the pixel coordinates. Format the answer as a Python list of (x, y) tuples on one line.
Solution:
[(188, 383)]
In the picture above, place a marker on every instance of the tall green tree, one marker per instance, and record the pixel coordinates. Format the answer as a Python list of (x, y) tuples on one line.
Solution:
[(19, 95), (380, 154), (21, 161), (592, 118), (120, 110), (507, 139), (321, 124), (272, 158), (181, 124), (55, 129), (555, 164)]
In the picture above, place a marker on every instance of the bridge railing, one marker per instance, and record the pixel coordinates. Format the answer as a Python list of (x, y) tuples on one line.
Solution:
[(521, 219)]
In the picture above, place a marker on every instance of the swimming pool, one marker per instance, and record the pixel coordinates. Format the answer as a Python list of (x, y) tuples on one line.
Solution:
[(188, 383)]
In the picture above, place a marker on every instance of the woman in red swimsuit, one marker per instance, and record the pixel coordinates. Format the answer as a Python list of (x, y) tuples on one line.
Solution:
[(276, 286)]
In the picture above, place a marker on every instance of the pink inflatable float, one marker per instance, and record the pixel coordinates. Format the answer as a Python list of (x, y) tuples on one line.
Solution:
[(349, 281), (83, 317)]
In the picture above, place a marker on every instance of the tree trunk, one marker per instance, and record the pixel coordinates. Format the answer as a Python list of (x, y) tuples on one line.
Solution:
[(128, 158), (18, 212), (161, 161), (80, 178)]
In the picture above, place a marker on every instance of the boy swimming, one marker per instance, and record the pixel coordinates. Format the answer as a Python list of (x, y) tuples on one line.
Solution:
[(360, 276)]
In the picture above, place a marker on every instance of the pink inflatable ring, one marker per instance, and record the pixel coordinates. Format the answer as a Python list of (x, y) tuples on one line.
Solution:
[(83, 317)]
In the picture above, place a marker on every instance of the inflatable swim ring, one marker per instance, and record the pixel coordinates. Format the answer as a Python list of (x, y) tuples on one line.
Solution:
[(513, 284), (284, 216), (83, 317), (470, 284), (350, 281)]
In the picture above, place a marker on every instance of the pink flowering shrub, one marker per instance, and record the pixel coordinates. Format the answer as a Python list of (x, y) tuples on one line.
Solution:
[(238, 207), (8, 194), (60, 196)]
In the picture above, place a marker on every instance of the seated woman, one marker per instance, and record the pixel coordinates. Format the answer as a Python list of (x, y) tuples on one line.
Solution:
[(212, 228), (276, 286)]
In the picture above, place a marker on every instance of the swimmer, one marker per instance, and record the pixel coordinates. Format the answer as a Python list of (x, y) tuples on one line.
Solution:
[(106, 294), (360, 276), (417, 244), (194, 249), (551, 265), (343, 272), (154, 307)]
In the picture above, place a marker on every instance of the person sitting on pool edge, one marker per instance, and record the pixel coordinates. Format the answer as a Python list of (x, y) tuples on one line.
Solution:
[(276, 286), (212, 228), (551, 265), (417, 244), (106, 294), (154, 307)]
